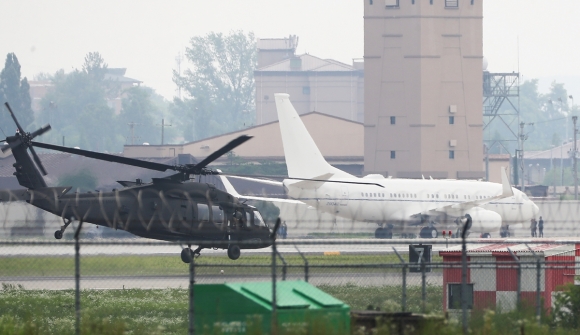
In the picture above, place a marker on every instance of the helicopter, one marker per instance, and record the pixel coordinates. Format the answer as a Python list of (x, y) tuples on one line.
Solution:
[(173, 208)]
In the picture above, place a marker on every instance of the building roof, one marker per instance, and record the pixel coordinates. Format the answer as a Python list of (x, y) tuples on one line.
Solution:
[(546, 248), (278, 43), (308, 63), (561, 151)]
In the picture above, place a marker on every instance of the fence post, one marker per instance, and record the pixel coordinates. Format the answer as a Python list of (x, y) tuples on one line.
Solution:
[(538, 281), (404, 293), (274, 325), (284, 266), (305, 263), (466, 226), (78, 279), (519, 279), (191, 293)]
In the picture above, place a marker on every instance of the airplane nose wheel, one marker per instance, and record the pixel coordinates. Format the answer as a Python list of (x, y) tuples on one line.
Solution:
[(187, 254)]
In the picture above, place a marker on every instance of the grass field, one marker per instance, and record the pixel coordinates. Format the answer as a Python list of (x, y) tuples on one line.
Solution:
[(172, 265), (165, 311)]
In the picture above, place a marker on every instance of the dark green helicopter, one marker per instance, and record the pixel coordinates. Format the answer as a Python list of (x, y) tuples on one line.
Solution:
[(174, 208)]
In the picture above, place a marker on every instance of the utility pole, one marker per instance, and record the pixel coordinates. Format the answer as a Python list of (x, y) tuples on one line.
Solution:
[(163, 125), (132, 126), (574, 119), (522, 137)]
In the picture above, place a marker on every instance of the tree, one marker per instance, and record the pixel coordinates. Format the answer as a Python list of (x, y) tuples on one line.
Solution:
[(137, 107), (16, 92), (219, 85), (77, 107)]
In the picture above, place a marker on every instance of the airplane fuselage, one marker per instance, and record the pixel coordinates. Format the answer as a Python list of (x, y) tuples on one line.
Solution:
[(399, 201)]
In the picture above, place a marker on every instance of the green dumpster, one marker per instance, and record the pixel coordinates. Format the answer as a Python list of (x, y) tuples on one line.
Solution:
[(246, 308)]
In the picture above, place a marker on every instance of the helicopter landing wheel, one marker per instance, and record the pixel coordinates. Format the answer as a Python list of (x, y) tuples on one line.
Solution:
[(234, 251), (187, 255), (58, 234)]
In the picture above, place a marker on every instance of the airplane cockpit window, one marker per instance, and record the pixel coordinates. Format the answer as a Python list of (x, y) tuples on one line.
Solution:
[(217, 214), (258, 220), (202, 212)]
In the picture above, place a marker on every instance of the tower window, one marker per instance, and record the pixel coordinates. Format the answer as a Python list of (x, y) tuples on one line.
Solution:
[(393, 119), (393, 154), (452, 120), (451, 154)]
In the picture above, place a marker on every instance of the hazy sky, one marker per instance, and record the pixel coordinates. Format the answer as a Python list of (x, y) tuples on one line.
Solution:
[(146, 36)]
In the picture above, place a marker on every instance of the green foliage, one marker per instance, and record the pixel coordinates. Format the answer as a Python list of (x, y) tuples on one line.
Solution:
[(566, 311), (550, 114), (16, 92), (138, 108), (84, 180), (219, 85), (554, 176), (78, 107)]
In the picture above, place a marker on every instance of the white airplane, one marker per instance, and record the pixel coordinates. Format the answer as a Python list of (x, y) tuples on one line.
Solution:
[(396, 205)]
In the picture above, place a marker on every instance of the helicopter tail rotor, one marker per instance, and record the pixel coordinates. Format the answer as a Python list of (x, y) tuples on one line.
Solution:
[(24, 138)]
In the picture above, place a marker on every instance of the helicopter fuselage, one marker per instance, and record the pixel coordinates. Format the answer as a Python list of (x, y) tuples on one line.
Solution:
[(164, 210)]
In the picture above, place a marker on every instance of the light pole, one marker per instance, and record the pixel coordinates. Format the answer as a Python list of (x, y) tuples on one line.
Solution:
[(575, 153), (552, 169)]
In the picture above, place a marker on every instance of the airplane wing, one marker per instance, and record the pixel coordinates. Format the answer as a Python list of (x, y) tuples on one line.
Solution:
[(459, 209)]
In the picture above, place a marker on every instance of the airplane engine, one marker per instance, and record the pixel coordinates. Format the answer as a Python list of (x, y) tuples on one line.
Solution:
[(484, 221)]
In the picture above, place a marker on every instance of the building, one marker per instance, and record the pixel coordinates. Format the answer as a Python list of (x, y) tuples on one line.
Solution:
[(314, 84), (340, 141), (423, 88)]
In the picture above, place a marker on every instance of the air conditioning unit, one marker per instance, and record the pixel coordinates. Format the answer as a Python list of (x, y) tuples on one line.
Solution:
[(453, 109), (452, 143)]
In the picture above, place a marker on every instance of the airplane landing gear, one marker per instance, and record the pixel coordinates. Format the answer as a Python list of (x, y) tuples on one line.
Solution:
[(428, 232), (234, 251), (383, 233), (485, 235), (187, 254), (58, 234)]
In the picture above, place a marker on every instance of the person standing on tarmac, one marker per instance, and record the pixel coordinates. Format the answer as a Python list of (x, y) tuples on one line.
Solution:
[(533, 227), (541, 227)]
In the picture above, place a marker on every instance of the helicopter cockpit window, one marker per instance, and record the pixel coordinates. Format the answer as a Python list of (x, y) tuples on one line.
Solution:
[(258, 221), (202, 212), (217, 214)]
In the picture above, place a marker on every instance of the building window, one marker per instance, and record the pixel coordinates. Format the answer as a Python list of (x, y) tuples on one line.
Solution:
[(393, 119), (451, 154), (393, 155), (392, 3), (370, 2), (306, 90), (452, 120), (451, 3)]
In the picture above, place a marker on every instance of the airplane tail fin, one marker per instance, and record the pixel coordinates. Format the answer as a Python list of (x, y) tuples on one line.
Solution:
[(303, 158)]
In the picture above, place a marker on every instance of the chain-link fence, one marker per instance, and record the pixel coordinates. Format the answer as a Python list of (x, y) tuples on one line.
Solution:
[(145, 286)]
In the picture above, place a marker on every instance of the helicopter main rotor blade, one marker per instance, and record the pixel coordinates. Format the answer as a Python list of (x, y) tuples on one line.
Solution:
[(107, 157), (40, 131), (20, 129), (221, 151), (37, 161)]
